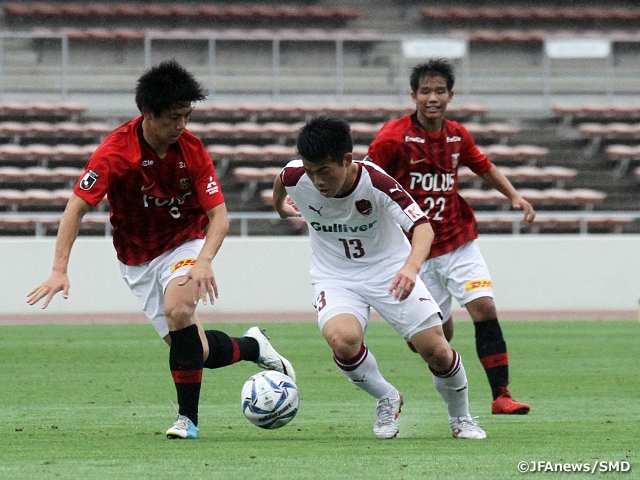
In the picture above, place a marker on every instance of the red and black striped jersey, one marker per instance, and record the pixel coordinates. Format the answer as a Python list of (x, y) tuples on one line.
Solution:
[(426, 165), (156, 204)]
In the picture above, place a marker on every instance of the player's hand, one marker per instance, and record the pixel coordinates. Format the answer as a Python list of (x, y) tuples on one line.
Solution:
[(520, 203), (288, 209), (56, 282), (204, 283), (402, 284)]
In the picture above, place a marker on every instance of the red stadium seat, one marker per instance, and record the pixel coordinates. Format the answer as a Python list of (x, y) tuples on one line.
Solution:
[(368, 130), (131, 10), (11, 174), (476, 196), (434, 13), (211, 11), (45, 9), (67, 173), (157, 10), (73, 10), (73, 152), (16, 9), (12, 152), (40, 128), (40, 151), (70, 129), (12, 128), (280, 152), (104, 9)]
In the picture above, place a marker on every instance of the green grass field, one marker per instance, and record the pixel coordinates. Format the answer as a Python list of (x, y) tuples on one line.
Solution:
[(94, 401)]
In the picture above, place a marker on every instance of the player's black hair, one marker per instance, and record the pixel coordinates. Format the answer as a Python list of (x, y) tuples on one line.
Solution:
[(165, 85), (323, 138), (438, 67)]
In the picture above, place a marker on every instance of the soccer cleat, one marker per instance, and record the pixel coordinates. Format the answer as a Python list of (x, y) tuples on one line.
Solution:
[(387, 418), (466, 427), (268, 358), (183, 428), (505, 405)]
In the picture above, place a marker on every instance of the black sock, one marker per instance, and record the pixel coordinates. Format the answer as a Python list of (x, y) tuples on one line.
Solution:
[(225, 350), (492, 352), (185, 362)]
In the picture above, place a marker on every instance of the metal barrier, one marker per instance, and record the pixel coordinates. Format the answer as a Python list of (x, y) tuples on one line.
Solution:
[(389, 78), (579, 219)]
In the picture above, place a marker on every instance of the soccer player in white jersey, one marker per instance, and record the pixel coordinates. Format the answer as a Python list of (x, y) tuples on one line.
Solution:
[(361, 259)]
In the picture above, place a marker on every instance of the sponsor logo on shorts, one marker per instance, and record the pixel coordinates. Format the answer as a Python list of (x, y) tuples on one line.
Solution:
[(185, 262), (478, 284)]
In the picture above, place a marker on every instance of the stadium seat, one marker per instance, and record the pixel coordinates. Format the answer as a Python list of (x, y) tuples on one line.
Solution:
[(252, 177), (13, 129), (526, 153), (12, 152)]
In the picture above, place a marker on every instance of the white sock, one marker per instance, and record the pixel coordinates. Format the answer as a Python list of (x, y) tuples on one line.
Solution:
[(362, 371), (452, 387)]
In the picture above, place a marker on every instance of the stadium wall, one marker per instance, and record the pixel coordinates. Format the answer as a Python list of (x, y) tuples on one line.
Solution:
[(564, 273)]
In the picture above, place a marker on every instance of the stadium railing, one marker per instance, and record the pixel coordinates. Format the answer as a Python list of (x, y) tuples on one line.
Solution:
[(580, 222), (344, 77)]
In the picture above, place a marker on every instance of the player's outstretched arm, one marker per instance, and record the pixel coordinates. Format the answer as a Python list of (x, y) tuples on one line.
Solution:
[(58, 280), (404, 281), (202, 273), (281, 201), (497, 180)]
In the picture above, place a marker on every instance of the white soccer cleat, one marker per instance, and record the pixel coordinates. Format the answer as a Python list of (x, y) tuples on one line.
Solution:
[(387, 418), (466, 427), (268, 358), (184, 428)]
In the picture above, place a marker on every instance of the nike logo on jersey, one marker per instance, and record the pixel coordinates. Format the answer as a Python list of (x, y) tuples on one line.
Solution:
[(144, 189), (413, 162)]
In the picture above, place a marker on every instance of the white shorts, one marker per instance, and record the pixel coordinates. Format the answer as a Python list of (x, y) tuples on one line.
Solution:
[(148, 281), (462, 274), (412, 315)]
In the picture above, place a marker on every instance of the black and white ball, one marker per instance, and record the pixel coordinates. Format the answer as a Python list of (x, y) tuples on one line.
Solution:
[(270, 399)]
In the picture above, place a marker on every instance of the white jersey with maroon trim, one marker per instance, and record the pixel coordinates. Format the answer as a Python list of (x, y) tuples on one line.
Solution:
[(359, 235)]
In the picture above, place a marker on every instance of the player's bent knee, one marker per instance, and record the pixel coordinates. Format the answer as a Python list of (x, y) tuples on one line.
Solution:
[(179, 316)]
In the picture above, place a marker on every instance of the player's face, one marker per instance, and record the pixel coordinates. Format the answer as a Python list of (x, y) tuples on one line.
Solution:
[(167, 127), (431, 99), (330, 178)]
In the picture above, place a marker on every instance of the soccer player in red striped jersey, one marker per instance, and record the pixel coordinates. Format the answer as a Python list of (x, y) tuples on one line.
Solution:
[(164, 196), (423, 151)]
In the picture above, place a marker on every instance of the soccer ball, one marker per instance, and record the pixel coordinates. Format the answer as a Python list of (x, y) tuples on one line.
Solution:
[(269, 399)]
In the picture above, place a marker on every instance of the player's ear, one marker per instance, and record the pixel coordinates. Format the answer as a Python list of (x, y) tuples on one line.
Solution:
[(347, 159)]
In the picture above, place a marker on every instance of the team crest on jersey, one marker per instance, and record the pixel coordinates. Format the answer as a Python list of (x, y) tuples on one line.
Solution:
[(454, 159), (364, 207), (185, 183), (88, 180)]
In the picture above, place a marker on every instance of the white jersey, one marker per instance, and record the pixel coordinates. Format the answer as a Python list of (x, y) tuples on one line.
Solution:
[(359, 235)]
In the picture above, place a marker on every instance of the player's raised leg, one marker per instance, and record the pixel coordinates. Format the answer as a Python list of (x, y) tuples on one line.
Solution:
[(450, 380), (345, 336), (268, 357)]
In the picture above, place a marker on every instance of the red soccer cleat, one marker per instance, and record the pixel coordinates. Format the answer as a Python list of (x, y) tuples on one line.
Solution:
[(505, 405)]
